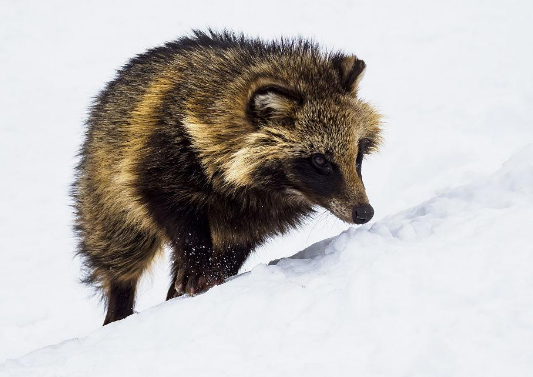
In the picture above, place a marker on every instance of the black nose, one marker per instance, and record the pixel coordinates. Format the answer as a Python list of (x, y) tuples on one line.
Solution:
[(362, 214)]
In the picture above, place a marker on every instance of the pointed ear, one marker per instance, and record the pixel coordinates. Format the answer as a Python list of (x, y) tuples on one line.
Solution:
[(351, 71), (272, 101)]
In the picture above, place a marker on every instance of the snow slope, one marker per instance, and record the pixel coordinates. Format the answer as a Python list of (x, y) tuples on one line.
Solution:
[(454, 82), (440, 289)]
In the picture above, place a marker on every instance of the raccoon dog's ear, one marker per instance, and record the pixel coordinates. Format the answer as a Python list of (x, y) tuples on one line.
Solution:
[(272, 101), (351, 71)]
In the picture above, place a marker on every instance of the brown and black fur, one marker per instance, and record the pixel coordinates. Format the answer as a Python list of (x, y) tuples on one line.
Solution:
[(211, 144)]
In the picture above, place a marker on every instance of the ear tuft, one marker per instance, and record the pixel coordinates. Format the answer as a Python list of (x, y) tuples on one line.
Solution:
[(271, 102), (351, 71)]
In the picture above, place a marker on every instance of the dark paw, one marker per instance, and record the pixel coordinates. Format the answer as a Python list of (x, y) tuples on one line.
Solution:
[(192, 282)]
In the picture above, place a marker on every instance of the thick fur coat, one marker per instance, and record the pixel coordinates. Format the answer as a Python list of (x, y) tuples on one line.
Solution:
[(211, 144)]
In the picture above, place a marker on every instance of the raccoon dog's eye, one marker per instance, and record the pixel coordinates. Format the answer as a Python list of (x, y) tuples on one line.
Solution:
[(321, 163), (363, 149), (364, 144)]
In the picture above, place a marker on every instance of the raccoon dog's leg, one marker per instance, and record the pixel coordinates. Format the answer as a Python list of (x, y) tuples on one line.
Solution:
[(120, 300), (192, 252), (199, 265), (130, 253), (233, 241), (115, 254)]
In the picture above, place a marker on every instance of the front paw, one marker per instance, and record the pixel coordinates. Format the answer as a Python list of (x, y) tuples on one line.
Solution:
[(193, 281)]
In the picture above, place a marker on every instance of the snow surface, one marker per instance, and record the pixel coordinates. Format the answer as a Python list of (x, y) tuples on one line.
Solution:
[(440, 289)]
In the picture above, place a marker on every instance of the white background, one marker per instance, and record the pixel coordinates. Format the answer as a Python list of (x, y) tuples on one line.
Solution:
[(453, 79)]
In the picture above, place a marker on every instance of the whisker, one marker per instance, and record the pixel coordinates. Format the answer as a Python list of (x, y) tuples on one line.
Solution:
[(318, 219)]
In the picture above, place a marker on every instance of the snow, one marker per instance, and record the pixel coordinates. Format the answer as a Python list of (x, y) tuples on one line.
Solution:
[(442, 288), (437, 289)]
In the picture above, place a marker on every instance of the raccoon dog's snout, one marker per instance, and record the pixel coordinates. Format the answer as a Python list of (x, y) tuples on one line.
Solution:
[(362, 214)]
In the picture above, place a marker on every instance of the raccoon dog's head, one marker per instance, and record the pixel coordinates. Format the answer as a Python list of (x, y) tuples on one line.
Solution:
[(311, 135)]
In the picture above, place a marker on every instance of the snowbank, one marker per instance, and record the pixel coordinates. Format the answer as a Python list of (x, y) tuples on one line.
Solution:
[(441, 289)]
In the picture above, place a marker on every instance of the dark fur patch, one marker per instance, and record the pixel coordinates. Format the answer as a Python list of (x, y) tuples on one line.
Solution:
[(120, 303), (312, 181)]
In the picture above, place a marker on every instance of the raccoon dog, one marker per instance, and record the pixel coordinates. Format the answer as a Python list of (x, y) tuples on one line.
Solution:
[(211, 144)]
